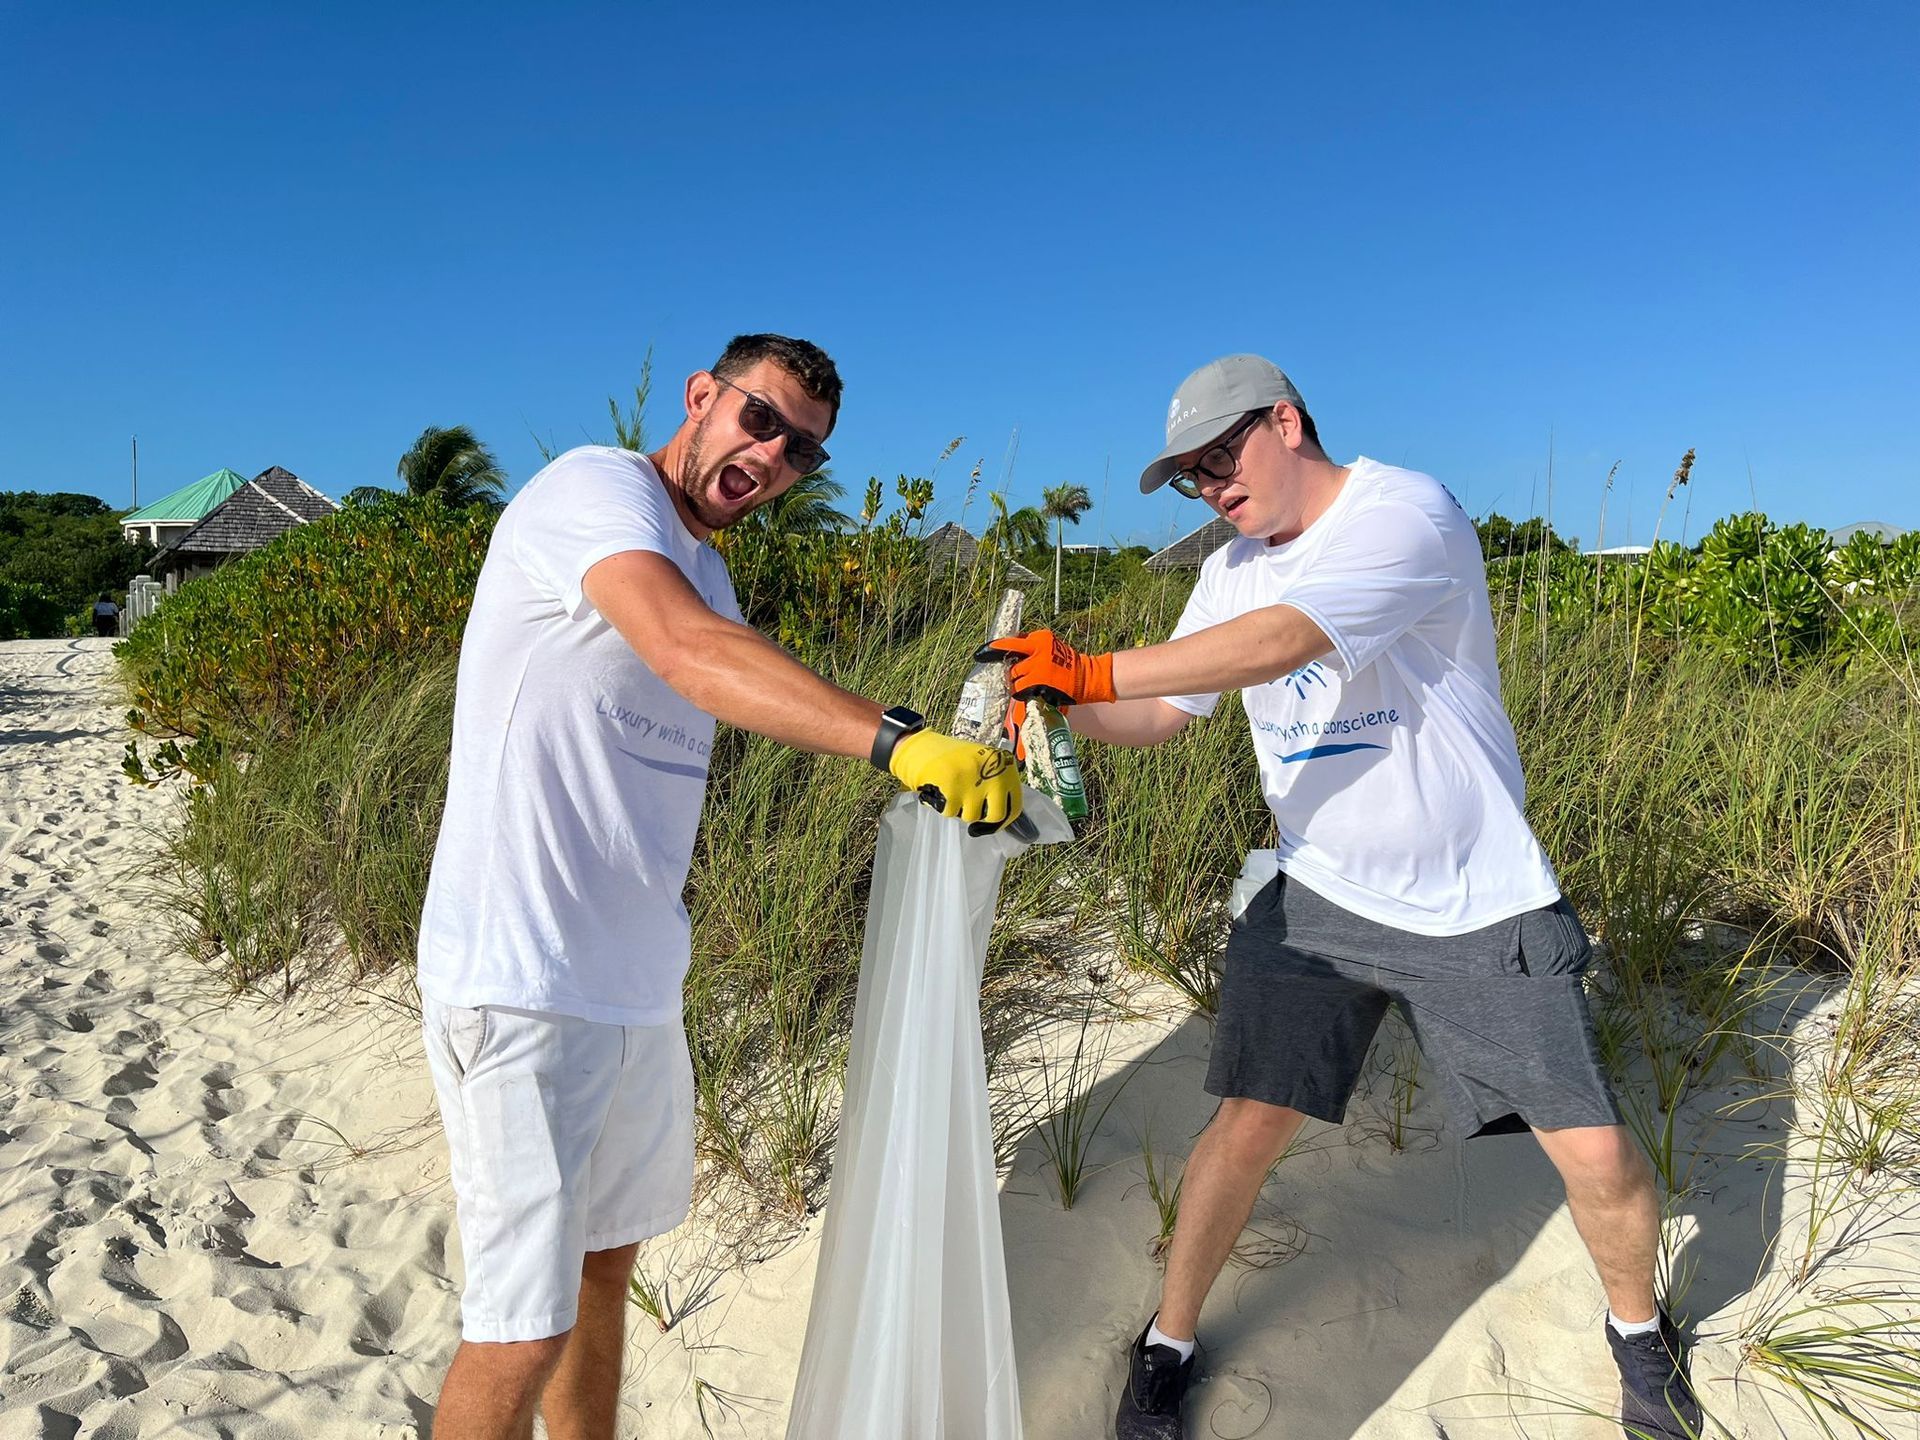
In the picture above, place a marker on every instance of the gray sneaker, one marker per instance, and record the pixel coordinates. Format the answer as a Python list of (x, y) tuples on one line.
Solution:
[(1150, 1400), (1656, 1396)]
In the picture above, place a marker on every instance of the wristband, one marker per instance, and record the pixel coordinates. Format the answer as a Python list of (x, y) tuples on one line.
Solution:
[(895, 725)]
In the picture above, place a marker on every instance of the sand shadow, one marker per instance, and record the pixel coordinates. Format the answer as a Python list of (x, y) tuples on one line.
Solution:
[(47, 737), (1393, 1281)]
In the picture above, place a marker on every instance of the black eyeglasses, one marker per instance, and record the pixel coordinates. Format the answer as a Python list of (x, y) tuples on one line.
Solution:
[(1219, 462), (762, 422)]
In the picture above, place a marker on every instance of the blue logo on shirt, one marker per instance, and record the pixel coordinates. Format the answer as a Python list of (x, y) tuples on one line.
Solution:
[(1308, 674), (1321, 752)]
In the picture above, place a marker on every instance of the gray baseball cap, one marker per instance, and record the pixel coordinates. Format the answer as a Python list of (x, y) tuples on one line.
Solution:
[(1208, 403)]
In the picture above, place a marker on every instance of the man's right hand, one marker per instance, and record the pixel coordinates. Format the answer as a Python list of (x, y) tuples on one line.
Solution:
[(960, 779)]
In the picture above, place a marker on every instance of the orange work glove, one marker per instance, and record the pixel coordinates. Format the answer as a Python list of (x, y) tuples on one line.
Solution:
[(1016, 729), (1041, 664)]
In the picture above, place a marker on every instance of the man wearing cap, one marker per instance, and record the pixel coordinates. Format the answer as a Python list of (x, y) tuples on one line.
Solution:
[(1351, 613), (603, 644)]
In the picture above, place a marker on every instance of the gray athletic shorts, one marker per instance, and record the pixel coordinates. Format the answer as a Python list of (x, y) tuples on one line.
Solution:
[(1500, 1013)]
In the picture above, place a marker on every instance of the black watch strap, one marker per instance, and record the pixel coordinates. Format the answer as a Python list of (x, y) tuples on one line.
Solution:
[(895, 724)]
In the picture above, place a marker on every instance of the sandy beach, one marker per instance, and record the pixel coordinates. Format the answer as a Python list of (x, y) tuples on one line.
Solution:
[(218, 1216), (226, 1216)]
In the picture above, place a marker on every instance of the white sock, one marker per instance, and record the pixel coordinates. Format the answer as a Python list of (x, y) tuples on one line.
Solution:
[(1157, 1336), (1627, 1329)]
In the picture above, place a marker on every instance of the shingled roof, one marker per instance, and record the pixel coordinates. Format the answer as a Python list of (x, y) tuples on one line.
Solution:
[(269, 505), (1188, 552), (951, 540)]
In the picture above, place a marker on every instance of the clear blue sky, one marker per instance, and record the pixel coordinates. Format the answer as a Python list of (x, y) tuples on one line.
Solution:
[(1474, 234)]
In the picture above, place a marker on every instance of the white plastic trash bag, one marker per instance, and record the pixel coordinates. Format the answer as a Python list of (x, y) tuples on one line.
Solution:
[(1257, 872), (910, 1337)]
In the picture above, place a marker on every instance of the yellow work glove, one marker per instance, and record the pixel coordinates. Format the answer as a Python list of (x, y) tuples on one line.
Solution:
[(960, 779)]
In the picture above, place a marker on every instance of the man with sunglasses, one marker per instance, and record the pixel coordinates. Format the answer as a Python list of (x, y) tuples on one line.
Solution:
[(1351, 613), (603, 644)]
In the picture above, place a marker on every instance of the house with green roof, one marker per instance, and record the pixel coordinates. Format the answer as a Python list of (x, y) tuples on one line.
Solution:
[(171, 516), (265, 507)]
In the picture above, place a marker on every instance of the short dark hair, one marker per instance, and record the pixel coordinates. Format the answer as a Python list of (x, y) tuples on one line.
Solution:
[(802, 359)]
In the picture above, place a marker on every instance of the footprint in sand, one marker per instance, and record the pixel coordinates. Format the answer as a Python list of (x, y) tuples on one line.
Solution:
[(283, 1131), (30, 1310), (57, 1424), (381, 1318), (120, 1113), (213, 1101), (133, 1077), (117, 1269)]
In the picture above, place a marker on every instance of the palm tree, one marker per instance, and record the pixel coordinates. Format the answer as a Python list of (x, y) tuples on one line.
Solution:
[(1014, 531), (453, 465), (1064, 505), (805, 507)]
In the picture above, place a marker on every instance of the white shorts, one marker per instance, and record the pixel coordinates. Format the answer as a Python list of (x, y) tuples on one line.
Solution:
[(566, 1136)]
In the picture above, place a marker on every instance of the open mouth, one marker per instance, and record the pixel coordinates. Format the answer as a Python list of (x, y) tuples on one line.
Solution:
[(736, 484), (1229, 507)]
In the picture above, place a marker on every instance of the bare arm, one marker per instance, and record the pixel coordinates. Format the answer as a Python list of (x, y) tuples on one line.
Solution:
[(1130, 722), (1250, 649), (729, 670)]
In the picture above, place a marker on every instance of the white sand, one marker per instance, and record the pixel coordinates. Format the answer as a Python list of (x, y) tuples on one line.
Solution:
[(231, 1217), (184, 1242)]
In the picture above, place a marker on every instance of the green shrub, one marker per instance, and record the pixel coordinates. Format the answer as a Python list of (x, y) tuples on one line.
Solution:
[(280, 638), (1764, 595), (28, 612)]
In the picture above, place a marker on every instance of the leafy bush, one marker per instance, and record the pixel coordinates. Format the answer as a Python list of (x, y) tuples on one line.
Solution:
[(28, 611), (816, 581), (1761, 594), (280, 638)]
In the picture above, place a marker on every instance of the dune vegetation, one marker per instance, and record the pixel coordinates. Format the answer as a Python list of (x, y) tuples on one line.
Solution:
[(1723, 750)]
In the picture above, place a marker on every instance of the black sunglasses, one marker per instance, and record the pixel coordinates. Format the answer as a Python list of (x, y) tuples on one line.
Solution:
[(1218, 462), (762, 422)]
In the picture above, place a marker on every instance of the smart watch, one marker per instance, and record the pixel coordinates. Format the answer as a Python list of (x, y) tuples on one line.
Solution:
[(895, 725)]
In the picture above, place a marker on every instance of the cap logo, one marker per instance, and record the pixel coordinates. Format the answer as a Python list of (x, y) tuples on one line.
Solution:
[(1175, 415)]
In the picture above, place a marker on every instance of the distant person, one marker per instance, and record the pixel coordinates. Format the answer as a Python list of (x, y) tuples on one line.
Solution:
[(603, 643), (1351, 613), (106, 618)]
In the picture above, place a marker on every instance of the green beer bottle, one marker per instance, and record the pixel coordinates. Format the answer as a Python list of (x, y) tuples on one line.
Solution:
[(1053, 764)]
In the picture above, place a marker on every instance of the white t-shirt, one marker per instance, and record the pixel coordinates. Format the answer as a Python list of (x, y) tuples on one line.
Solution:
[(1390, 766), (578, 774)]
